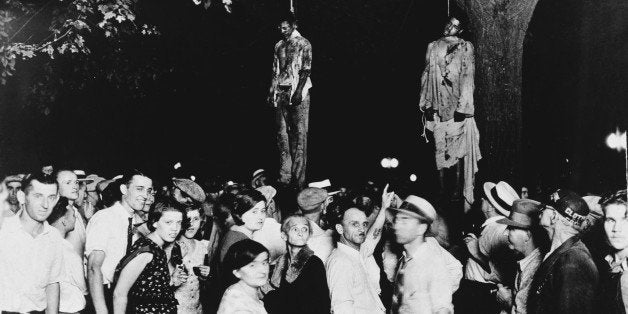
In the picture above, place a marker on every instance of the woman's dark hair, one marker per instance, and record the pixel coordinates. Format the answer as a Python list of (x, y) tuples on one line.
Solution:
[(110, 195), (60, 209), (224, 207), (239, 255), (166, 205), (243, 202)]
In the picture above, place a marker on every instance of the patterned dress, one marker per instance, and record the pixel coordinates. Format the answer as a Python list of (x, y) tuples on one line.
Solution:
[(151, 292), (188, 293)]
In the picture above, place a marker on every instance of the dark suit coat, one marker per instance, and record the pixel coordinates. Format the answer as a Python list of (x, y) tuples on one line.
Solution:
[(565, 282)]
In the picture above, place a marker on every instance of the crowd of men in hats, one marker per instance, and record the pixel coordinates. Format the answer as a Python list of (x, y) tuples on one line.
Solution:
[(69, 242)]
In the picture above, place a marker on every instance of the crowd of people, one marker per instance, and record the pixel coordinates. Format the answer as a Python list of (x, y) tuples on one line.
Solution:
[(76, 243)]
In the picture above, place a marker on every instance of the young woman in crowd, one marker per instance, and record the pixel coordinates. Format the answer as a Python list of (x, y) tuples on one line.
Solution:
[(143, 283), (298, 280), (246, 270), (194, 252), (248, 213)]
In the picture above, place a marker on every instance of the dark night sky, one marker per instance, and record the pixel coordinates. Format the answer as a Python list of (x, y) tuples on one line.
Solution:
[(209, 111)]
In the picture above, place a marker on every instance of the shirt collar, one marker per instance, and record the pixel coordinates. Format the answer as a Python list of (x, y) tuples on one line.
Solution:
[(349, 250), (408, 256), (15, 224), (614, 262), (491, 220), (123, 212), (295, 34), (528, 259)]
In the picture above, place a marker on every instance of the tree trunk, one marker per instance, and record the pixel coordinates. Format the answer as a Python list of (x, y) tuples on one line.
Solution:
[(499, 27)]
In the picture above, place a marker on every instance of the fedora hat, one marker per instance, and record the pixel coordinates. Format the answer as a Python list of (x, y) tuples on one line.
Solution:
[(501, 196), (418, 207), (522, 214)]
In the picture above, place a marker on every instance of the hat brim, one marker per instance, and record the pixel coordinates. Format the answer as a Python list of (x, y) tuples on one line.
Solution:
[(488, 186), (407, 212), (512, 223)]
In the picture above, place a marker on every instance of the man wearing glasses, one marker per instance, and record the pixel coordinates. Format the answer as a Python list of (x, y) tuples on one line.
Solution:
[(567, 279), (110, 236)]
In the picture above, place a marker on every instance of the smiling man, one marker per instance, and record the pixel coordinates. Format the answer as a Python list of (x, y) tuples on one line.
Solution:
[(110, 236), (31, 252)]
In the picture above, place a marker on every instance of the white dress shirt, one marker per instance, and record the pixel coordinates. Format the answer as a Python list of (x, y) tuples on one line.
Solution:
[(27, 266), (350, 285), (77, 236), (107, 232), (321, 241), (72, 287), (427, 281)]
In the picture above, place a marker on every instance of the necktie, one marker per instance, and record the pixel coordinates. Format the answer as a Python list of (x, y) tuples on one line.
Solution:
[(397, 298), (129, 234)]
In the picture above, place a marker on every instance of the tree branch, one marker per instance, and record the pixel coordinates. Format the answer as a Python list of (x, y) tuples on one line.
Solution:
[(30, 19)]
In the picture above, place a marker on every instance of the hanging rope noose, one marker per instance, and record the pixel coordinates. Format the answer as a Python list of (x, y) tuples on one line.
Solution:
[(448, 16)]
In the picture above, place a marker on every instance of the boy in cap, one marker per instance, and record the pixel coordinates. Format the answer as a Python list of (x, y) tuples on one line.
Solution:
[(312, 203), (13, 184), (186, 192), (524, 237), (567, 279)]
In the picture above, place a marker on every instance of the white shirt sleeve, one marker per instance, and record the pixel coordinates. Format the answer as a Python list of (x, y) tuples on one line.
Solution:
[(97, 234), (339, 279)]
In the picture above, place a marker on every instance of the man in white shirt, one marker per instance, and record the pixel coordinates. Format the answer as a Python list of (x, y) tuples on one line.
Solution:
[(72, 286), (423, 283), (352, 273), (108, 237), (31, 252), (69, 188)]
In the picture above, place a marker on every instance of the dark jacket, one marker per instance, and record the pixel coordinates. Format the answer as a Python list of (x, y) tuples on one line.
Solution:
[(307, 294), (566, 282), (609, 298)]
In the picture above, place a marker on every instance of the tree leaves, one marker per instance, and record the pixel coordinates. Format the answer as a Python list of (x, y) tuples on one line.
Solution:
[(72, 27)]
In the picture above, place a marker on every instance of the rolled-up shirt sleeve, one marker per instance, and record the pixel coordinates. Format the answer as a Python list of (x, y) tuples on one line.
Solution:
[(56, 270), (97, 235)]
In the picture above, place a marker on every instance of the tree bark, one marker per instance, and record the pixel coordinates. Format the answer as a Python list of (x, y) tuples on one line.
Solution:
[(499, 28)]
